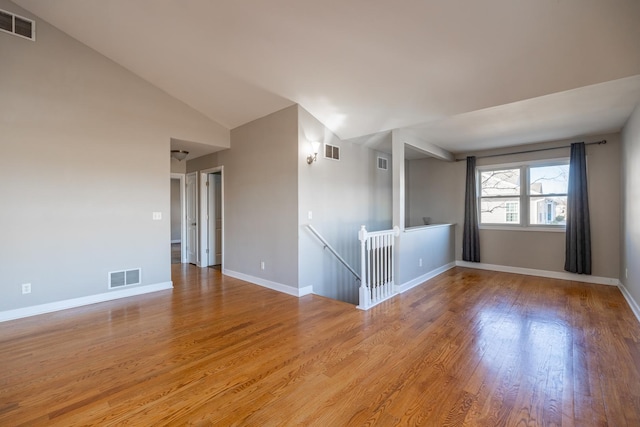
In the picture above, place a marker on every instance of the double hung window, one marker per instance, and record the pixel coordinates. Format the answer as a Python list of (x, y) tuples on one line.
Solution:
[(532, 195)]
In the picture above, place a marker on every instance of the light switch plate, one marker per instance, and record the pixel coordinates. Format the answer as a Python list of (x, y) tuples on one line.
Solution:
[(157, 216)]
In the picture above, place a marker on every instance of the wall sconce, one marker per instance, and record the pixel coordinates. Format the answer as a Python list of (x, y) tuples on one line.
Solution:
[(315, 146), (179, 155)]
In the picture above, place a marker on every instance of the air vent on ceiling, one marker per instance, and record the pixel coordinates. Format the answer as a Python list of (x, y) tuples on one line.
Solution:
[(383, 163), (118, 279), (331, 152), (17, 25)]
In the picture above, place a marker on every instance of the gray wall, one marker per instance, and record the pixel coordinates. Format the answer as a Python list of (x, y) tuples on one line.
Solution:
[(178, 166), (437, 190), (434, 245), (176, 210), (260, 197), (630, 224), (433, 190), (269, 189), (342, 195), (88, 164)]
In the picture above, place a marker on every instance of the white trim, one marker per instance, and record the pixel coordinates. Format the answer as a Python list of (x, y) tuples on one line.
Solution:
[(79, 302), (290, 290), (398, 289), (421, 279), (186, 239), (632, 303), (203, 227), (541, 273), (388, 297), (537, 228), (183, 210)]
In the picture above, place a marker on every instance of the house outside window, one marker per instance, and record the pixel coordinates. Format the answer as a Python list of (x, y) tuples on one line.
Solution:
[(539, 188), (512, 212)]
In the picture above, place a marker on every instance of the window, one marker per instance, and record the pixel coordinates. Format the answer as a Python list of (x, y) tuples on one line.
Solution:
[(502, 198), (512, 212), (499, 196), (548, 186)]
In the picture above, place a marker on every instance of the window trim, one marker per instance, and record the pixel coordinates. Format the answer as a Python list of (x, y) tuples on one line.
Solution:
[(524, 197)]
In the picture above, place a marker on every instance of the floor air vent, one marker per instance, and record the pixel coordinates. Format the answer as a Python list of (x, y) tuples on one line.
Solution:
[(118, 279), (17, 25)]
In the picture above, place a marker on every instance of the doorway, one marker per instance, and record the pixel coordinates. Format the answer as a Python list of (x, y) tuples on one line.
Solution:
[(212, 218), (177, 210)]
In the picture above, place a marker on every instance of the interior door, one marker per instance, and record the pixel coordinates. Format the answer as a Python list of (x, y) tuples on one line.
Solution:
[(211, 219), (192, 218), (214, 219), (217, 187)]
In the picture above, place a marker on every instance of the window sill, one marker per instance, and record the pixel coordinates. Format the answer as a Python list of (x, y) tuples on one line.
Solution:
[(519, 228)]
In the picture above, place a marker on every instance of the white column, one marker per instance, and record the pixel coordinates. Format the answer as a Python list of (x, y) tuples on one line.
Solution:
[(397, 158)]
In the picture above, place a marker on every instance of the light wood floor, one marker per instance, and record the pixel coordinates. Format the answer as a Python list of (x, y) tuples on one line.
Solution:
[(467, 348)]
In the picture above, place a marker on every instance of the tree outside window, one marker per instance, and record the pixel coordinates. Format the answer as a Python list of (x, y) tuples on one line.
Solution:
[(545, 199)]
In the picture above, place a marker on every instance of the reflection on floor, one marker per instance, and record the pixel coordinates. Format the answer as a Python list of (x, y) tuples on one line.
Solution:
[(175, 253), (467, 348)]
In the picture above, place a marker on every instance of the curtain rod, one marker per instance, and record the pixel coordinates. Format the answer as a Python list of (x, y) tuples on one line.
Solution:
[(604, 141)]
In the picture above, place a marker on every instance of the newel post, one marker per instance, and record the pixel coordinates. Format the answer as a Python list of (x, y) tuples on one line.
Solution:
[(365, 298)]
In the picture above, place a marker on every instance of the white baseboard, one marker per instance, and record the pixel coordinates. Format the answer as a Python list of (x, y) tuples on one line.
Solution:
[(380, 301), (176, 241), (78, 302), (290, 290), (421, 279), (585, 278), (632, 303)]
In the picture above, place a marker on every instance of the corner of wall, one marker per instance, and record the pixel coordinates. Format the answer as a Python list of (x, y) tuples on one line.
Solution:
[(630, 209)]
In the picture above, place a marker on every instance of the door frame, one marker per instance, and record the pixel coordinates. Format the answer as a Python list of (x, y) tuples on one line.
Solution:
[(197, 216), (203, 224), (183, 209)]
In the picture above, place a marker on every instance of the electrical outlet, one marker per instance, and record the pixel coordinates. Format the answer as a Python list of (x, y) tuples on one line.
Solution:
[(26, 288), (261, 265), (310, 215), (420, 262)]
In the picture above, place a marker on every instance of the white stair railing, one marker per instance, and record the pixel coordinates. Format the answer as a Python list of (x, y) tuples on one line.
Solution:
[(377, 266)]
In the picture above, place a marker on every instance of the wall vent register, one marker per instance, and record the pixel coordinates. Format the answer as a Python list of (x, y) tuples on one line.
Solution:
[(118, 279), (383, 163), (331, 152), (17, 25)]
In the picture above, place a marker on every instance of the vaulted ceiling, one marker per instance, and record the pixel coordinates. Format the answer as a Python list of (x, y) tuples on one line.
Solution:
[(463, 75)]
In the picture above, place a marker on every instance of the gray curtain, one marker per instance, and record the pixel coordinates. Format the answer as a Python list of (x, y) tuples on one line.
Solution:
[(470, 233), (578, 235)]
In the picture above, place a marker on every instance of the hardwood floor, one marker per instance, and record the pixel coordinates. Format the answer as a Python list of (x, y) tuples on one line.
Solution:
[(176, 257), (467, 348)]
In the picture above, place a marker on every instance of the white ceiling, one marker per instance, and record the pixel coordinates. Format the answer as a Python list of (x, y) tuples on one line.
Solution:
[(464, 75)]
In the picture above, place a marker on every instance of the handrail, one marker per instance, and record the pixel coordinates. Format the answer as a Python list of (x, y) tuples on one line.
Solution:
[(378, 266), (328, 246)]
